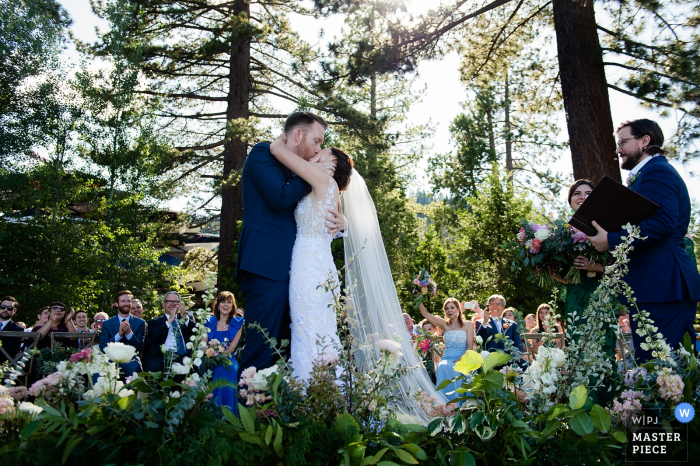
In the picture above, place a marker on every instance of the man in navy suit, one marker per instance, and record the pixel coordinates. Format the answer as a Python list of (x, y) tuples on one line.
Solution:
[(8, 308), (126, 329), (493, 324), (270, 195), (664, 279)]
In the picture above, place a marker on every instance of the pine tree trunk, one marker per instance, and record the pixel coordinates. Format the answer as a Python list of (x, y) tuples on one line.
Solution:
[(585, 91), (235, 150), (509, 142)]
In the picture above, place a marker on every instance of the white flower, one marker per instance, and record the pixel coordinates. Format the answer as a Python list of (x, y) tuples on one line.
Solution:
[(175, 395), (30, 408), (260, 379), (479, 340), (199, 354), (125, 392), (683, 352), (119, 352), (61, 366), (187, 361), (484, 354), (542, 234), (194, 377), (179, 369), (189, 345), (372, 406), (389, 345), (197, 362)]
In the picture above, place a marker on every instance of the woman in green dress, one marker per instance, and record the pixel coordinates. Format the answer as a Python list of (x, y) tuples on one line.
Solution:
[(578, 295)]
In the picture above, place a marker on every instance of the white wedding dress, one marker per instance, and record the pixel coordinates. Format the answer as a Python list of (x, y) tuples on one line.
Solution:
[(314, 328)]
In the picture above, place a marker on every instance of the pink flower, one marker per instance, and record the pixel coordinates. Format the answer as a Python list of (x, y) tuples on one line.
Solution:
[(191, 383), (416, 281), (522, 235), (82, 355), (579, 236), (535, 227), (535, 246), (210, 353), (670, 385), (424, 346)]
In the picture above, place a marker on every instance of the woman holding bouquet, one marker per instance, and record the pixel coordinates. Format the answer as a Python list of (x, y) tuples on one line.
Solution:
[(458, 336), (578, 295), (226, 328)]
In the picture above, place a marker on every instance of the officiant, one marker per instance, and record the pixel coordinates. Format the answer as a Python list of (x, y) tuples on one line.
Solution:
[(665, 281)]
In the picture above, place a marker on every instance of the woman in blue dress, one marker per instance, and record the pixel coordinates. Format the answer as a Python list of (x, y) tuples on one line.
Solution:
[(225, 326), (458, 335)]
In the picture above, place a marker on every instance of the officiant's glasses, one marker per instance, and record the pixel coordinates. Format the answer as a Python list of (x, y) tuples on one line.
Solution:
[(622, 142)]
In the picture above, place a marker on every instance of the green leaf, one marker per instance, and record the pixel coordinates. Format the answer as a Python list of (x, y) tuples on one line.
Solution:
[(346, 426), (246, 419), (250, 438), (578, 397), (463, 458), (70, 446), (387, 463), (279, 449), (493, 380), (416, 450), (435, 426), (495, 359), (125, 402), (581, 424), (549, 430), (476, 419), (376, 458), (469, 362), (276, 385), (415, 428), (405, 456), (601, 418), (268, 435), (443, 384), (457, 424), (620, 436), (230, 417), (28, 431)]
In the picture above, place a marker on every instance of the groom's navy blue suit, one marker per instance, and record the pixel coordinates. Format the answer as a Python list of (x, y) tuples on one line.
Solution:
[(664, 279), (270, 195)]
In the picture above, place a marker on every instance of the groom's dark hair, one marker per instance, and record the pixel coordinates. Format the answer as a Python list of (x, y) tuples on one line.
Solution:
[(303, 119), (645, 127)]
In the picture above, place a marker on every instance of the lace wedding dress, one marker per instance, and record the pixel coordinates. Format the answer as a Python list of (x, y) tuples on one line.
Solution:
[(314, 328)]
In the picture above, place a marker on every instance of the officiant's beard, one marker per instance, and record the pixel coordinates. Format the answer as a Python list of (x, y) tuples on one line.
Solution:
[(632, 159)]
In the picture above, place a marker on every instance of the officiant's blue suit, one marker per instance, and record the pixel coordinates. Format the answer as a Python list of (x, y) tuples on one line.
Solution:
[(664, 279), (270, 195)]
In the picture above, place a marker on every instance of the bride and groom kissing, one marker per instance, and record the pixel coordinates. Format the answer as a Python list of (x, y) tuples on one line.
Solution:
[(291, 213)]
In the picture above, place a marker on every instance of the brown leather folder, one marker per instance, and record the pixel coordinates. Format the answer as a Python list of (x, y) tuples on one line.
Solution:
[(612, 205)]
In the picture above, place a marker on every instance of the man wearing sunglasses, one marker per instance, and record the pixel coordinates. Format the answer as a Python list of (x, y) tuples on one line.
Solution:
[(8, 307)]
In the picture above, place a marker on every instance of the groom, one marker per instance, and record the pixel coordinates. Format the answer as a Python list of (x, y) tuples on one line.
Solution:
[(270, 195)]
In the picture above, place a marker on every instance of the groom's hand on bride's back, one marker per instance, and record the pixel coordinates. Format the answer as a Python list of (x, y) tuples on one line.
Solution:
[(328, 167)]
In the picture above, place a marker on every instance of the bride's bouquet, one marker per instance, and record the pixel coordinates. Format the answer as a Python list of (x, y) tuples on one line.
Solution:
[(545, 248), (215, 354), (423, 285)]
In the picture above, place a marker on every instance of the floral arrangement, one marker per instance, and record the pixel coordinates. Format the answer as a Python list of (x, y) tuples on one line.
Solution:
[(554, 248), (542, 377), (215, 354), (423, 285)]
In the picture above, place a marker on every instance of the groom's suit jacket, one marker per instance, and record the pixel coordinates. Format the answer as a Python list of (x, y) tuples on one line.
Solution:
[(490, 330), (659, 269), (270, 193)]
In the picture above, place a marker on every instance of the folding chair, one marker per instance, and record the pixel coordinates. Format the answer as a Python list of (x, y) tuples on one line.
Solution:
[(13, 360), (70, 335)]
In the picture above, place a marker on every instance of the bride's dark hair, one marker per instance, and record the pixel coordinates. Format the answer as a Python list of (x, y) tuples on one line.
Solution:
[(343, 168)]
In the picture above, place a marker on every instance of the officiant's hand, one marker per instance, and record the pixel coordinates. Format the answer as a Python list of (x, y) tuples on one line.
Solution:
[(599, 241), (328, 166), (336, 221)]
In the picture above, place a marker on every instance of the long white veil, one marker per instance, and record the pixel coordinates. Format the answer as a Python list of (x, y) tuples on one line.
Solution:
[(376, 306)]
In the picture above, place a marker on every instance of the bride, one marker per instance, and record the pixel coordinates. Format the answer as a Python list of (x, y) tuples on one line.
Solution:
[(376, 311), (314, 330)]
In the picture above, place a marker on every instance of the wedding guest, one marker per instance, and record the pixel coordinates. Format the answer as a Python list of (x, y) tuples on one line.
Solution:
[(493, 324), (126, 329), (410, 324), (427, 327), (664, 279), (541, 326), (458, 337), (55, 321), (137, 308), (81, 325), (8, 308), (530, 322), (509, 314), (226, 327), (172, 331), (100, 318)]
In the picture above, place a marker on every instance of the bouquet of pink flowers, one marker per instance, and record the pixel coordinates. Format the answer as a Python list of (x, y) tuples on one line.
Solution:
[(545, 248), (423, 285), (215, 354)]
